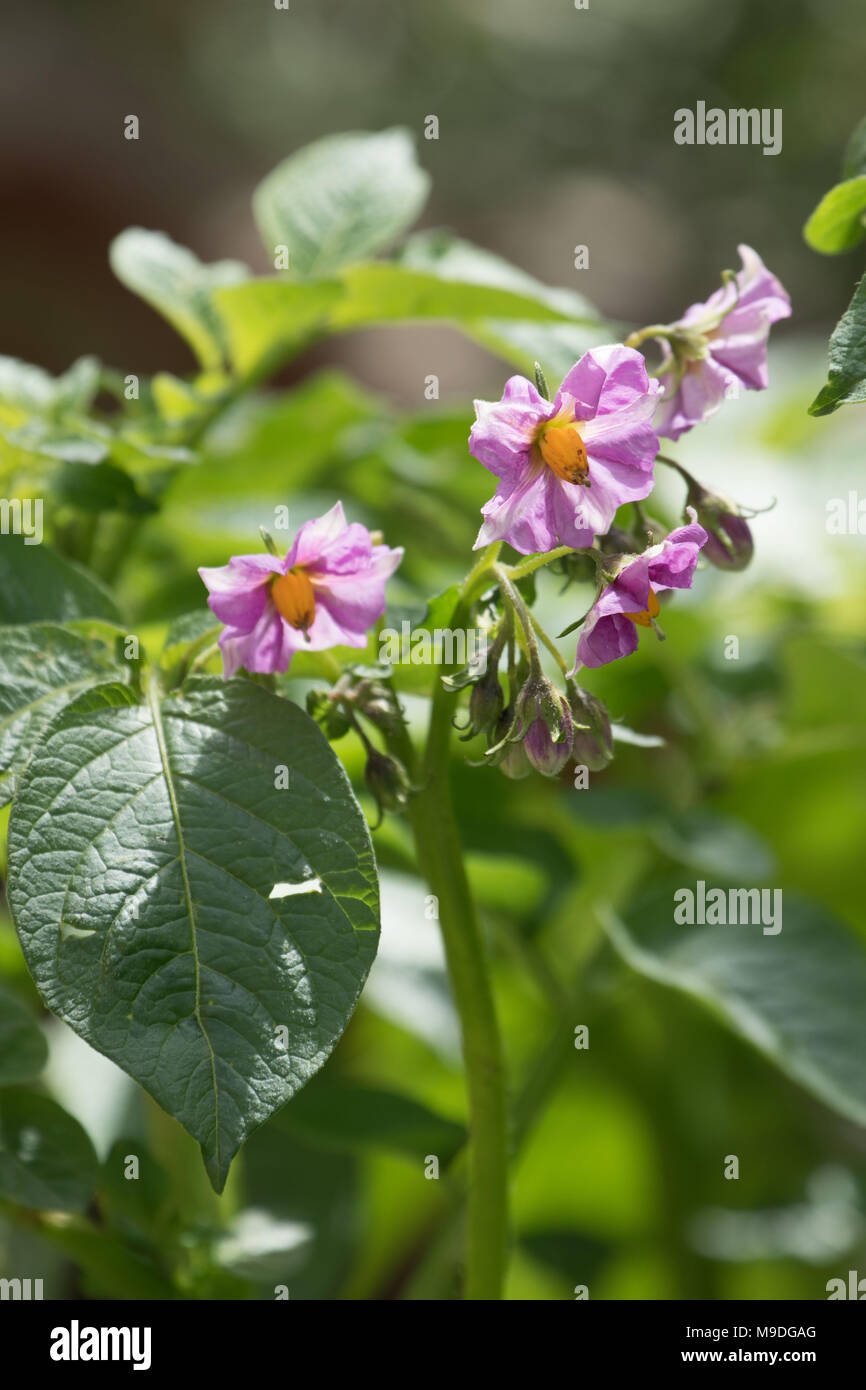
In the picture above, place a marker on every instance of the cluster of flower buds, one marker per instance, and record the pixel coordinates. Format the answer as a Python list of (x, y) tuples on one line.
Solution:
[(538, 727), (362, 692)]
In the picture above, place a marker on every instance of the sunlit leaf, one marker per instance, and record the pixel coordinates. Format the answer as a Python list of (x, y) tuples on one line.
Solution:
[(145, 847), (341, 199)]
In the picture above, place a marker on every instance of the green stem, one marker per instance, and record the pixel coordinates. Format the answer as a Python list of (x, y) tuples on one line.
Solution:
[(440, 861), (535, 562)]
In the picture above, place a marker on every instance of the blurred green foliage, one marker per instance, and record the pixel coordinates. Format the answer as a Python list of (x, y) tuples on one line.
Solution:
[(756, 775)]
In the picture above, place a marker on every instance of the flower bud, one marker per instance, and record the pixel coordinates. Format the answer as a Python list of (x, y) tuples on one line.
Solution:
[(486, 704), (540, 699), (327, 710), (504, 754), (544, 718), (546, 757), (386, 781), (729, 543), (593, 741)]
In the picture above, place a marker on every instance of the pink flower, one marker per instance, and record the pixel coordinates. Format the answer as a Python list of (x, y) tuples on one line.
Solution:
[(565, 467), (630, 600), (327, 592), (719, 345)]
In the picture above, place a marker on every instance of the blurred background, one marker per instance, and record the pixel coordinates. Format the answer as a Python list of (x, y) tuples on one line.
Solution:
[(555, 130)]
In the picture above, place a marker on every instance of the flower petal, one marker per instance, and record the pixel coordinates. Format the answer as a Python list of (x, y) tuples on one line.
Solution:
[(521, 513), (266, 647), (238, 591), (606, 379), (355, 601), (502, 436)]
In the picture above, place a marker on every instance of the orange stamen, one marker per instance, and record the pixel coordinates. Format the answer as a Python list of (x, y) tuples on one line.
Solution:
[(295, 599), (651, 611)]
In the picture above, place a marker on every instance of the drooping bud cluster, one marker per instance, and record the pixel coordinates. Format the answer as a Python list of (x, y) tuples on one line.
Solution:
[(363, 692), (535, 727)]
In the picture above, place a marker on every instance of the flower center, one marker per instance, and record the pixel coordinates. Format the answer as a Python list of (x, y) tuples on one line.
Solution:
[(564, 452), (651, 611), (295, 599)]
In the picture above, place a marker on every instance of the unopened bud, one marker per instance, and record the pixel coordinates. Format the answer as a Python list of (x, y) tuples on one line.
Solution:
[(485, 705), (328, 713), (593, 741), (386, 781), (547, 757), (540, 699), (729, 538)]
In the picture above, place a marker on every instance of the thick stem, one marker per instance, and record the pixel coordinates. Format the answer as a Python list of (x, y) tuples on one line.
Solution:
[(440, 862)]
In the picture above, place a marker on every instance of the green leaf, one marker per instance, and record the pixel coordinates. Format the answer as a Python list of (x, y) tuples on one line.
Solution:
[(187, 636), (102, 488), (451, 258), (341, 199), (266, 321), (46, 1159), (344, 1116), (44, 666), (23, 1050), (38, 585), (50, 441), (521, 340), (138, 1204), (110, 1268), (179, 908), (837, 223), (26, 390), (577, 1255), (796, 996), (178, 285), (715, 845), (387, 292), (847, 378)]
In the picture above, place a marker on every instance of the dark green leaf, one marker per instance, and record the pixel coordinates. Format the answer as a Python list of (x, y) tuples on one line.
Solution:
[(133, 1202), (46, 1159), (847, 379), (341, 199), (797, 996), (23, 1050), (180, 908), (579, 1257), (37, 585), (102, 488), (339, 1115), (42, 667)]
